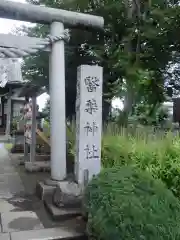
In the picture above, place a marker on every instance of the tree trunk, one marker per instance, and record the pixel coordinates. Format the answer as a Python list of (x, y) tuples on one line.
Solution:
[(128, 104), (133, 11)]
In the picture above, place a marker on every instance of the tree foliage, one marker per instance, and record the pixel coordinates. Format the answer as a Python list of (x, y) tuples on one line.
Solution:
[(140, 40), (127, 203)]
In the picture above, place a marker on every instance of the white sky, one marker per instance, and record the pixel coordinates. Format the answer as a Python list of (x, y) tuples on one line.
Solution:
[(7, 26)]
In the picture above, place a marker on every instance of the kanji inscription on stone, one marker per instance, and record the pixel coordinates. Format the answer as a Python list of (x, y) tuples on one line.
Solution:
[(91, 128), (92, 83), (88, 122), (91, 106)]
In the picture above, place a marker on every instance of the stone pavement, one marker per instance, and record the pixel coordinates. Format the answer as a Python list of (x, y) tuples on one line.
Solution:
[(19, 220)]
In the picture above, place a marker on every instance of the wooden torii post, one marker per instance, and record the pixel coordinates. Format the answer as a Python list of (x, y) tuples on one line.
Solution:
[(20, 46)]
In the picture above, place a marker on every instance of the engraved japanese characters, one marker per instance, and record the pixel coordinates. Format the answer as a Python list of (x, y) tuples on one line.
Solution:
[(88, 122)]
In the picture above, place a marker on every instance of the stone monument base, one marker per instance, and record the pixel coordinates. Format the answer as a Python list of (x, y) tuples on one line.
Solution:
[(62, 199), (44, 191), (67, 194), (63, 213)]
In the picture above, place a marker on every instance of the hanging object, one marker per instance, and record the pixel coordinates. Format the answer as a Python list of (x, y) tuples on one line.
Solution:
[(10, 71), (3, 72), (15, 73)]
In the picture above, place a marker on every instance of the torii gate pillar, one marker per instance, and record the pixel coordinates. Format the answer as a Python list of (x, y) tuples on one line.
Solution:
[(57, 105)]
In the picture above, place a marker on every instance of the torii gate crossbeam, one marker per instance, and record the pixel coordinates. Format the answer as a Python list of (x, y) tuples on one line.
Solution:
[(46, 15)]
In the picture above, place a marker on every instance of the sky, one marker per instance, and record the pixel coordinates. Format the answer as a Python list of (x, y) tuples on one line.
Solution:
[(7, 26)]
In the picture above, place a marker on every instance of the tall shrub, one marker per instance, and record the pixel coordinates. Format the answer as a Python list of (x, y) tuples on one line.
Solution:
[(128, 203), (152, 151)]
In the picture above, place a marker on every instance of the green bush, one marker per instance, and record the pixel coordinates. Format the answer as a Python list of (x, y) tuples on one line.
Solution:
[(145, 147), (159, 154), (128, 203)]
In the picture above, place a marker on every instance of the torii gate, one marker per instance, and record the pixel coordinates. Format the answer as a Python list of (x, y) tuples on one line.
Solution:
[(20, 46)]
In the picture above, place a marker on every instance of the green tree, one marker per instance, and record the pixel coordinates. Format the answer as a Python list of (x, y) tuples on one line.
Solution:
[(135, 49)]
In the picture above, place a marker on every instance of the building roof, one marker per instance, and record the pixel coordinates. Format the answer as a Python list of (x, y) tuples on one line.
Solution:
[(20, 99), (29, 90)]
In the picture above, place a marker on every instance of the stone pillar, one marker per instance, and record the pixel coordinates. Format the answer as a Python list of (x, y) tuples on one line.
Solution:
[(33, 131), (26, 151), (9, 113), (57, 105), (88, 122), (26, 148)]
